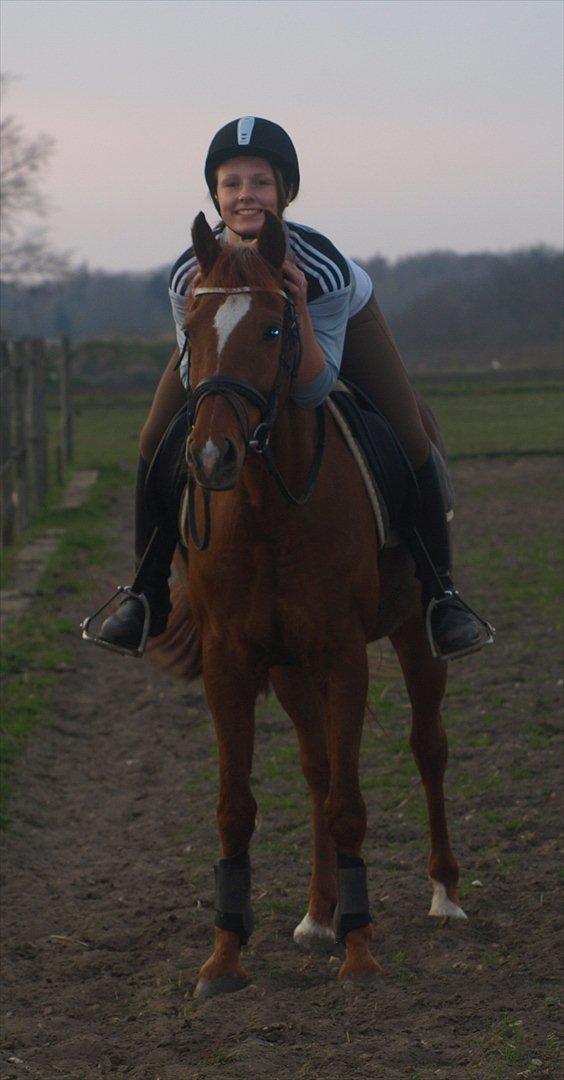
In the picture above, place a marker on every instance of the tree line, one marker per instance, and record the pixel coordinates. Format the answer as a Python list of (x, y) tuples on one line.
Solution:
[(444, 309)]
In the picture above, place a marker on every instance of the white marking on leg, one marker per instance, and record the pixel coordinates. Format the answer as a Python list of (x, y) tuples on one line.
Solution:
[(228, 316), (313, 933), (441, 906)]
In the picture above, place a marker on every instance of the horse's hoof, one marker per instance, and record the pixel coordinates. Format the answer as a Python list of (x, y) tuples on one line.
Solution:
[(442, 907), (313, 935), (227, 984), (359, 977)]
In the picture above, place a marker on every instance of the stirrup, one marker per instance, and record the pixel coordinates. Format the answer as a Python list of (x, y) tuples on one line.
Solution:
[(488, 631), (96, 640)]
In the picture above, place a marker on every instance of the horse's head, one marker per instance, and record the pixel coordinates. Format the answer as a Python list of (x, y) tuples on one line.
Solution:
[(239, 334)]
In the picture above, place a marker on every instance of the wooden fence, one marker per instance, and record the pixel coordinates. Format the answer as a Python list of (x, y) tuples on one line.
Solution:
[(25, 441)]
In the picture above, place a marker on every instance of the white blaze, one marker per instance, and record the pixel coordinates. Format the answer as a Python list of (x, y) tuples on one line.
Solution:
[(228, 316)]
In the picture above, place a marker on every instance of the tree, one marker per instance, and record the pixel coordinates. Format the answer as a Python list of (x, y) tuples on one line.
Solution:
[(26, 253)]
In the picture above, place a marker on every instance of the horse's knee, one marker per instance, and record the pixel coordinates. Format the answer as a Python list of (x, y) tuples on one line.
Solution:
[(316, 774), (346, 821), (236, 815)]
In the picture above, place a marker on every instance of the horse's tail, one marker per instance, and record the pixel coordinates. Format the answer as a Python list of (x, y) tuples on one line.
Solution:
[(178, 650)]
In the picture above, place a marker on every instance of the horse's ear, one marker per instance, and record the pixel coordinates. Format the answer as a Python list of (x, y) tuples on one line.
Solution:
[(206, 247), (272, 240)]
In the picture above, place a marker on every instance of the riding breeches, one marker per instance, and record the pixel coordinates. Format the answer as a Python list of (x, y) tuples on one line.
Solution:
[(370, 360), (169, 398)]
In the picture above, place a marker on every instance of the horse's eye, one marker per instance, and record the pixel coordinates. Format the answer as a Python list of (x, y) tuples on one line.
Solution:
[(271, 333)]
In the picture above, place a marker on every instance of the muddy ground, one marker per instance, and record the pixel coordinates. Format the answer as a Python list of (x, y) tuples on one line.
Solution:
[(108, 883)]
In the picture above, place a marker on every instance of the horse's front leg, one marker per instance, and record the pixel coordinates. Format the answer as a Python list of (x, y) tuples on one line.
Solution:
[(304, 704), (347, 687), (231, 690), (426, 681)]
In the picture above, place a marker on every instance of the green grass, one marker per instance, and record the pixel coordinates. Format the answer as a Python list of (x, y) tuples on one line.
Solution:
[(489, 421), (106, 429), (40, 643)]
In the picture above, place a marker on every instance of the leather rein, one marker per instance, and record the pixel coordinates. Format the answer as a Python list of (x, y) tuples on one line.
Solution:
[(236, 392)]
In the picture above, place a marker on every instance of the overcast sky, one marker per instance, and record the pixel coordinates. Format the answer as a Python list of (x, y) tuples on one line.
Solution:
[(419, 124)]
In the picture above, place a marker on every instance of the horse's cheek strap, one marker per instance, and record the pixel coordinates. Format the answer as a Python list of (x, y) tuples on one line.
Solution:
[(233, 896), (353, 909)]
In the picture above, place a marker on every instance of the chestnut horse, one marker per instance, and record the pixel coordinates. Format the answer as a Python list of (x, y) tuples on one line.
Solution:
[(291, 594)]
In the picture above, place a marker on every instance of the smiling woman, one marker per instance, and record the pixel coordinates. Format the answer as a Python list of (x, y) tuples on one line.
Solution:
[(245, 188), (253, 174)]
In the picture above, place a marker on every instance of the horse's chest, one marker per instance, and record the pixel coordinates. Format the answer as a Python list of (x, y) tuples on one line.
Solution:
[(260, 593)]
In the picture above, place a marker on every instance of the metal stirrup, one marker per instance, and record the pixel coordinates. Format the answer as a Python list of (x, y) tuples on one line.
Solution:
[(488, 631), (95, 639)]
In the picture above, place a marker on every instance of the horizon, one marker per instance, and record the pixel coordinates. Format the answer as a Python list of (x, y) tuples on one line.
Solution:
[(454, 111), (392, 263)]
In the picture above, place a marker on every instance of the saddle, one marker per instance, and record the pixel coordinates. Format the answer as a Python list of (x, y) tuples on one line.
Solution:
[(387, 474)]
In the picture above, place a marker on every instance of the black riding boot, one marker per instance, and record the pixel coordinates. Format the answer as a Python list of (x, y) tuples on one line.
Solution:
[(453, 628), (154, 549)]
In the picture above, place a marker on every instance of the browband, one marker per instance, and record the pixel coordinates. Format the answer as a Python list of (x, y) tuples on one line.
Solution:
[(241, 289)]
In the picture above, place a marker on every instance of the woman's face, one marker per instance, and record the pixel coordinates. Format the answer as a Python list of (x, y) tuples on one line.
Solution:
[(246, 187)]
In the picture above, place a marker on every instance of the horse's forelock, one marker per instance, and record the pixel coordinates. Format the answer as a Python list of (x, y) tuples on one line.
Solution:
[(239, 265)]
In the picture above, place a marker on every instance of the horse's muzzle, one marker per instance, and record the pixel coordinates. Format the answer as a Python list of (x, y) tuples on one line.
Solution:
[(214, 467)]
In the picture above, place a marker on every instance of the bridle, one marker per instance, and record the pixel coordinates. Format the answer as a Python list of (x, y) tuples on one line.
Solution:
[(236, 392)]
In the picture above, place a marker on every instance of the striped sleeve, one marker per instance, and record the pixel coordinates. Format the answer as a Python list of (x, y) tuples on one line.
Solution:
[(326, 269)]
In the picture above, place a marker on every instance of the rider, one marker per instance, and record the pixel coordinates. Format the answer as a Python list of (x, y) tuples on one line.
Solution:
[(252, 166)]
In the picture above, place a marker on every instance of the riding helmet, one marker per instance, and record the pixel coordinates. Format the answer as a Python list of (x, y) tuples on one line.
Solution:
[(252, 136)]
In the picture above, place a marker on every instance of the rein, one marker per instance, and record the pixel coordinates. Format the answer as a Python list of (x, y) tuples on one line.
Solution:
[(236, 392)]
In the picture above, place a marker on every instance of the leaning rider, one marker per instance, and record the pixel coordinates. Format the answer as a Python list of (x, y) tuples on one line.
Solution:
[(252, 166)]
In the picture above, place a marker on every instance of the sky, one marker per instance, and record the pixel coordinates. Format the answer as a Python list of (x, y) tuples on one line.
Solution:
[(419, 124)]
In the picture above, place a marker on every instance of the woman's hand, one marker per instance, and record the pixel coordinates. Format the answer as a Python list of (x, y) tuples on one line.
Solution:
[(295, 284)]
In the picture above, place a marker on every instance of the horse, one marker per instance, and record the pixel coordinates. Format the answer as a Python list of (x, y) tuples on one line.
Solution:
[(286, 587)]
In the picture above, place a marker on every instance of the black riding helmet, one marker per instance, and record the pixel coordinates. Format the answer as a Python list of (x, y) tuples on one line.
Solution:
[(252, 136)]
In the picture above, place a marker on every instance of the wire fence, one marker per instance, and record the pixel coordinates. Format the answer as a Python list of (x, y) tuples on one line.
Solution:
[(26, 445)]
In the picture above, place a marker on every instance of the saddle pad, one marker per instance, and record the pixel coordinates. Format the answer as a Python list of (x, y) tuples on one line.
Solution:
[(388, 477), (377, 503)]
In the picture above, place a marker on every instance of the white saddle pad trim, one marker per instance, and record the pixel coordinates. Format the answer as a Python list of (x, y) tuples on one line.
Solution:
[(371, 489)]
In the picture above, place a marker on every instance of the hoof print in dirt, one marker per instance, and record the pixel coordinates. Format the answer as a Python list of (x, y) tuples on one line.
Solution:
[(207, 988)]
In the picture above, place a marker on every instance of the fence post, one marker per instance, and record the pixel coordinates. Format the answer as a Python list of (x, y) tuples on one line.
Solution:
[(66, 442), (7, 498), (20, 446), (37, 419)]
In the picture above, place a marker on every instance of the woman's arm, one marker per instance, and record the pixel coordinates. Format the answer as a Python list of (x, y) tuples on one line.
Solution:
[(313, 360)]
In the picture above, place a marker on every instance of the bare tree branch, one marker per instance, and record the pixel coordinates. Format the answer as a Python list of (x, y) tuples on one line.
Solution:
[(25, 254)]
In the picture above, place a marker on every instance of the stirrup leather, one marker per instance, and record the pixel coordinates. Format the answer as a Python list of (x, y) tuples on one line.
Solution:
[(488, 631), (96, 640)]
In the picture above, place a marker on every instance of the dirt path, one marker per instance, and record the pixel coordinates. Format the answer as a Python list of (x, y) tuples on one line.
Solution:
[(108, 882)]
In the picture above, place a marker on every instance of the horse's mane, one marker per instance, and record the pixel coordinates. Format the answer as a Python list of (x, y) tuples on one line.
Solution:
[(239, 265)]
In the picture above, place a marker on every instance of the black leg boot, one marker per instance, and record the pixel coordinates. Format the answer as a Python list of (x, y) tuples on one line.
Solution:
[(154, 549), (453, 629)]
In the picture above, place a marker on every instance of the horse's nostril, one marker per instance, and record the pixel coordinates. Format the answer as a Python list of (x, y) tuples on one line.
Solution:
[(230, 455)]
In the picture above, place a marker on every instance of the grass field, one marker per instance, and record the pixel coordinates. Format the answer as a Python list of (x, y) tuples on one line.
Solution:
[(478, 417)]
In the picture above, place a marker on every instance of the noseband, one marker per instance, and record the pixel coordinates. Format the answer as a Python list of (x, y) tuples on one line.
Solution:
[(236, 392)]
